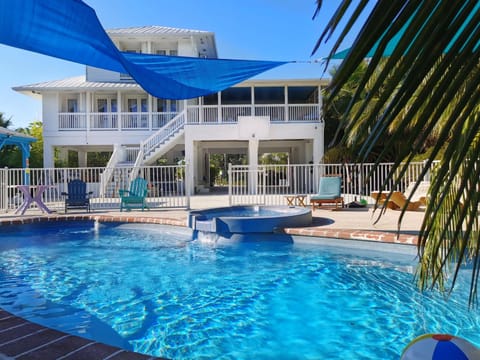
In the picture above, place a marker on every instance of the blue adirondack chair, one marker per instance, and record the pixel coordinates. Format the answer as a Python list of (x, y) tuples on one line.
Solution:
[(135, 196), (329, 191), (77, 196)]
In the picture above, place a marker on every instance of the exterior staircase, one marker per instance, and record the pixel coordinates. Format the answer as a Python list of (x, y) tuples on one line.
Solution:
[(149, 150), (160, 142)]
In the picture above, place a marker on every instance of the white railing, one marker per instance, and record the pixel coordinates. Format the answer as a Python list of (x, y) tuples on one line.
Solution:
[(106, 175), (103, 121), (166, 186), (305, 113), (196, 114), (269, 184), (207, 114), (72, 121), (230, 113), (159, 120), (153, 142), (134, 121), (274, 112)]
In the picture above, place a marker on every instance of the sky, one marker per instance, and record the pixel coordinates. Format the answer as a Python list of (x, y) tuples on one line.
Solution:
[(282, 30)]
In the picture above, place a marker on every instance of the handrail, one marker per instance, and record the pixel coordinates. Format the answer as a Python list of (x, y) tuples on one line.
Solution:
[(138, 163), (154, 141), (195, 114), (108, 172)]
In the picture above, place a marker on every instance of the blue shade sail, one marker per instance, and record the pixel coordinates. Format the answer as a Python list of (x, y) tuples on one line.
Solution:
[(70, 30)]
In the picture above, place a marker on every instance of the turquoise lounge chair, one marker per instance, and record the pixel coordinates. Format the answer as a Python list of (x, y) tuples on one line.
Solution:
[(135, 197), (77, 196), (329, 192)]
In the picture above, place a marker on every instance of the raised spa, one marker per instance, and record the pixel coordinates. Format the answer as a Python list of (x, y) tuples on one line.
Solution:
[(249, 219)]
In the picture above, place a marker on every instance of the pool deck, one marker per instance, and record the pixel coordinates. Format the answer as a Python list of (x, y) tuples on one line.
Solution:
[(357, 224), (20, 339)]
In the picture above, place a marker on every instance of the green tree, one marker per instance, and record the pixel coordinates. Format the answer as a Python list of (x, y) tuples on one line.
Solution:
[(273, 158), (4, 122), (35, 129), (10, 156), (427, 81)]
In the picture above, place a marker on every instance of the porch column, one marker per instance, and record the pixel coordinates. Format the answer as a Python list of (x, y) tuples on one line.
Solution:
[(88, 110), (318, 151), (82, 159), (150, 112), (191, 166), (119, 110), (252, 165), (48, 158), (318, 144), (308, 152)]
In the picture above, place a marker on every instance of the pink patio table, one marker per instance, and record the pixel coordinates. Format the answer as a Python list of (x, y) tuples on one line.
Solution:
[(32, 197)]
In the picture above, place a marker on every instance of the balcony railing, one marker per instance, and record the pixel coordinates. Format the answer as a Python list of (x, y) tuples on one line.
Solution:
[(207, 114)]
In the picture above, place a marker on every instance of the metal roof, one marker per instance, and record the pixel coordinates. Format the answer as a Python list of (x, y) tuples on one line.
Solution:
[(205, 39), (156, 30), (76, 83), (7, 133)]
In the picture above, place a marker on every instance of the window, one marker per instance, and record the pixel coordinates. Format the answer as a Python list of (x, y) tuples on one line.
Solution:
[(237, 96), (102, 105), (106, 105), (166, 105), (161, 52), (211, 99), (132, 105), (269, 95), (139, 104), (113, 105), (72, 105), (303, 94), (161, 105), (173, 53)]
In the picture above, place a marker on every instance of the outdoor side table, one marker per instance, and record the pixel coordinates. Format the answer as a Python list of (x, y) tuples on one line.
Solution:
[(294, 200), (36, 198)]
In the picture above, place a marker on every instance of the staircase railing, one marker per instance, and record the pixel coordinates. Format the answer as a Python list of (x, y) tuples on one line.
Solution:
[(160, 137), (108, 172), (136, 167), (153, 142)]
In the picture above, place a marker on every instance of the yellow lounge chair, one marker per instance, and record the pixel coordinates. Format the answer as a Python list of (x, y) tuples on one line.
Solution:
[(381, 198), (401, 201)]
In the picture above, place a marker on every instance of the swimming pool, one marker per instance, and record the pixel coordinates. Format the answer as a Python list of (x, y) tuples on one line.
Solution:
[(150, 289)]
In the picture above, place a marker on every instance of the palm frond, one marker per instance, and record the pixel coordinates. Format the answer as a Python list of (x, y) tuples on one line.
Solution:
[(429, 82)]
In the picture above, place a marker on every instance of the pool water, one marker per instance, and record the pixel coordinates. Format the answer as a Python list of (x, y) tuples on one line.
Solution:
[(151, 289)]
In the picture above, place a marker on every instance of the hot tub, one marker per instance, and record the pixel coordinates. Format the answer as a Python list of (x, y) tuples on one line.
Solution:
[(249, 219)]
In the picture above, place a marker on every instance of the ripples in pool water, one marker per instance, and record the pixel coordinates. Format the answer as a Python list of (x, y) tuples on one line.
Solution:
[(151, 289)]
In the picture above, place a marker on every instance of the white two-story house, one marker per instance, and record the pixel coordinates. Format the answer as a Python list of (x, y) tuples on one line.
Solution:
[(107, 111)]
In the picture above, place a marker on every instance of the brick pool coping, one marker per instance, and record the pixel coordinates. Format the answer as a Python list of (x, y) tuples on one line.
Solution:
[(21, 339), (316, 230)]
